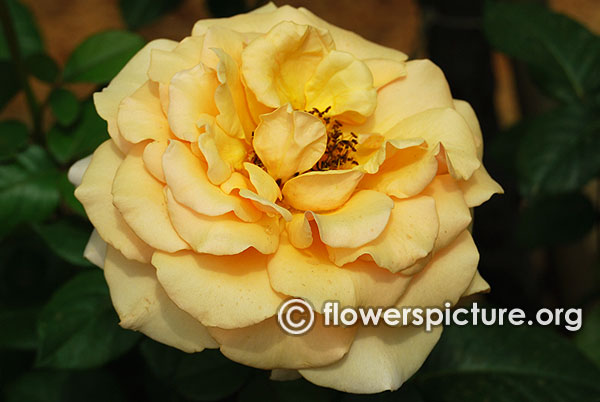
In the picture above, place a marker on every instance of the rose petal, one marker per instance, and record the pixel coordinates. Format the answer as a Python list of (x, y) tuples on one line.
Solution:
[(479, 188), (467, 112), (477, 285), (129, 79), (140, 199), (225, 234), (187, 179), (141, 117), (343, 83), (385, 71), (144, 306), (77, 170), (276, 66), (409, 236), (95, 195), (263, 183), (265, 205), (165, 63), (380, 359), (321, 191), (190, 96), (284, 374), (95, 249), (299, 231), (152, 157), (219, 291), (289, 141)]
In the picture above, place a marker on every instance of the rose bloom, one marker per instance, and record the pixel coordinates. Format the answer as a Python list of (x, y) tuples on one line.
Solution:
[(272, 155)]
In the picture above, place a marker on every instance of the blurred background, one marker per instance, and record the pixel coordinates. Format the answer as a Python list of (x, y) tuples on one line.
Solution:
[(531, 71)]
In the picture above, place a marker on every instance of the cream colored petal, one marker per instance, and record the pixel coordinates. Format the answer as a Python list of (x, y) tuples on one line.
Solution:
[(348, 41), (409, 236), (310, 274), (453, 213), (424, 87), (343, 83), (385, 71), (467, 112), (446, 277), (321, 191), (447, 127), (186, 177), (95, 249), (284, 375), (299, 231), (405, 173), (152, 157), (263, 183), (77, 170), (361, 220), (129, 79), (219, 291), (277, 66), (477, 285), (374, 149), (95, 195), (141, 117), (380, 359), (289, 141), (218, 170), (265, 345), (225, 234), (220, 41), (140, 199), (191, 94), (144, 306), (236, 181), (265, 205), (479, 188), (165, 63)]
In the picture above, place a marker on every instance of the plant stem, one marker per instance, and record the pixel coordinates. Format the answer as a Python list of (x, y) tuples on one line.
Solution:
[(15, 52)]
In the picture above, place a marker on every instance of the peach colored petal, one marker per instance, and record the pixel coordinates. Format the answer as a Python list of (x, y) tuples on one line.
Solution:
[(152, 157), (479, 188), (95, 195), (477, 285), (467, 112), (143, 305), (265, 205), (263, 183), (385, 71), (141, 200), (165, 63), (95, 249), (299, 231), (219, 291), (321, 191)]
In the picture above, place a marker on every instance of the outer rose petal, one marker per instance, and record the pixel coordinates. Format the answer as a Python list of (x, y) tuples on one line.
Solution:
[(357, 222), (385, 71), (95, 195), (447, 127), (277, 66), (187, 179), (152, 157), (141, 117), (219, 291), (380, 359), (190, 96), (140, 199), (129, 79), (409, 236), (479, 188), (225, 234), (446, 277), (284, 375), (95, 249), (467, 112), (321, 191), (165, 63), (477, 285), (424, 87), (344, 84), (144, 306), (77, 170), (265, 345), (289, 141)]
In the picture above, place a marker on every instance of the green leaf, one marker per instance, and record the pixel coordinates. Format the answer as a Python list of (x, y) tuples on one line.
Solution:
[(42, 67), (552, 220), (588, 338), (101, 56), (18, 328), (563, 56), (65, 106), (13, 137), (507, 364), (80, 140), (407, 393), (559, 151), (9, 82), (64, 386), (262, 389), (28, 35), (205, 376), (138, 13), (78, 328), (67, 239), (28, 189)]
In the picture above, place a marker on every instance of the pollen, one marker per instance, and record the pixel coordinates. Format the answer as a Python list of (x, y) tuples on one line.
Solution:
[(341, 147)]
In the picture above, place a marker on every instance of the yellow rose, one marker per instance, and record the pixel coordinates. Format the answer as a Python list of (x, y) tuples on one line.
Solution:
[(272, 155)]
